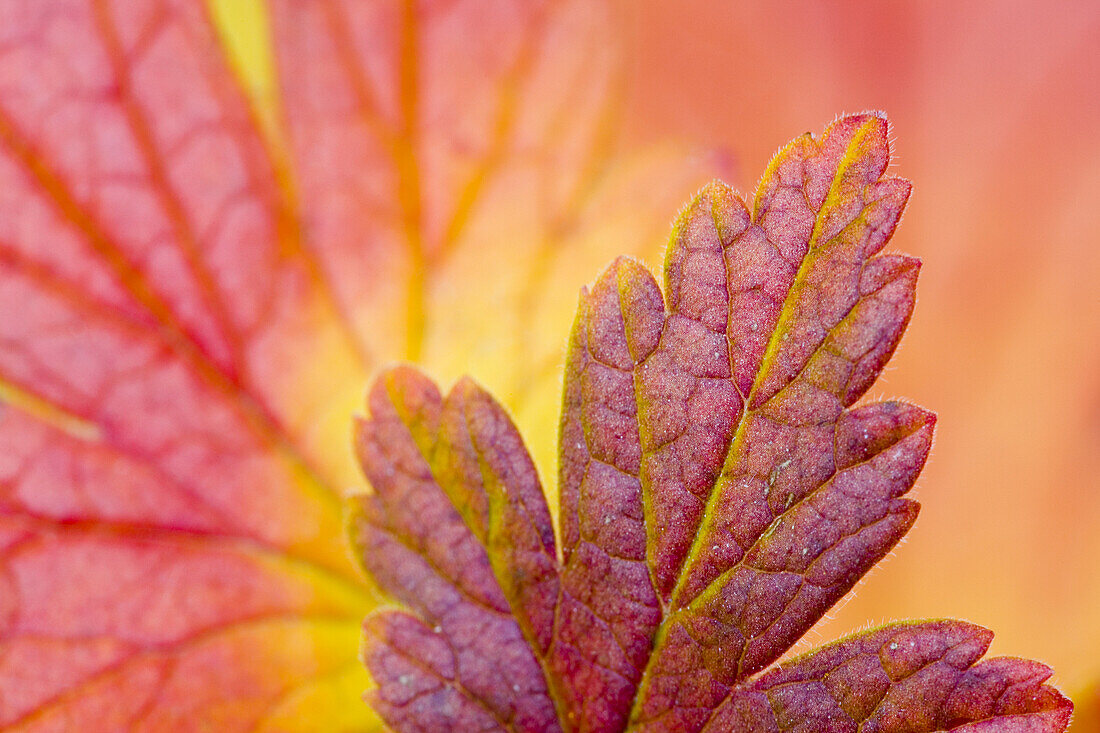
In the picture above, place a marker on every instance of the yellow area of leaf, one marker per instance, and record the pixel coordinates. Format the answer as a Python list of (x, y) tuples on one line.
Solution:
[(245, 29), (47, 412), (330, 697)]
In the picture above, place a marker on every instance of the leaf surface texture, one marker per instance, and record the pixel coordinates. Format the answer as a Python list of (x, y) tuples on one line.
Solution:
[(720, 490)]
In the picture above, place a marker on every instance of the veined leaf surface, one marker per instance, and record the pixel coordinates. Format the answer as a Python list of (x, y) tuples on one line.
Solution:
[(720, 491)]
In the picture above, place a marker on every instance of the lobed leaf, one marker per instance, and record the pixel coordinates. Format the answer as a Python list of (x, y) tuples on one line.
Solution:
[(719, 492), (904, 677), (460, 660)]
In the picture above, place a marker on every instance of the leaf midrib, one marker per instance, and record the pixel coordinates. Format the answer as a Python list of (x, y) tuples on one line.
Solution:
[(739, 433)]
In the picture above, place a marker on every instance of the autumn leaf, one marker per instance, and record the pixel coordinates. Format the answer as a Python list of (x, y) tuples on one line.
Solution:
[(194, 290), (719, 493)]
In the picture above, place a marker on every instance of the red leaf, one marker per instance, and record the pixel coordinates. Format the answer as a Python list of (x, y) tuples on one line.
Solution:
[(718, 494), (462, 660), (911, 676)]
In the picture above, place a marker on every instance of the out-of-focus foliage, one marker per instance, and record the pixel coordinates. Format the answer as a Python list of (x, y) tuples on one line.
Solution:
[(196, 289)]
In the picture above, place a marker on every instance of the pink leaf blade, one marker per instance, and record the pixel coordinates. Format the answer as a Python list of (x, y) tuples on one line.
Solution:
[(420, 551), (415, 673), (915, 677), (438, 119), (166, 474), (831, 311), (808, 556), (146, 612), (114, 169), (689, 407), (789, 433), (854, 212), (609, 609), (729, 280), (488, 475)]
